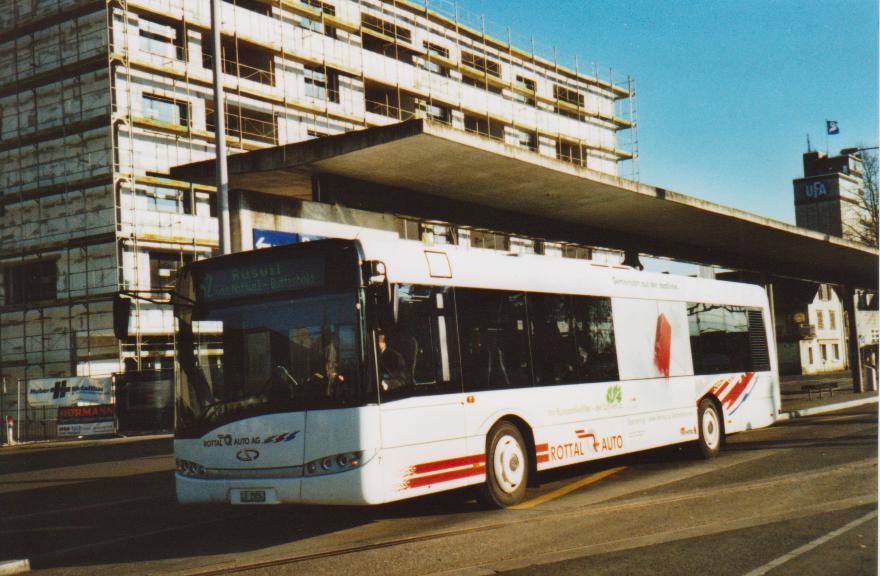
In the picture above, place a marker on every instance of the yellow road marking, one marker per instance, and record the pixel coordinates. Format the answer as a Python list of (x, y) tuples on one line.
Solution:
[(568, 488)]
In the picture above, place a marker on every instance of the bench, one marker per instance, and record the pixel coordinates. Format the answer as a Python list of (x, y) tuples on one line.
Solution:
[(819, 389)]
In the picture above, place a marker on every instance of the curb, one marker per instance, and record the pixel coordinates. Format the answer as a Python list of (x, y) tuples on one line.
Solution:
[(85, 442), (14, 566), (826, 408)]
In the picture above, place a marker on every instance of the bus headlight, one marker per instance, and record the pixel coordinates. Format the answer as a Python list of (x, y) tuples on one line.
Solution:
[(335, 463), (187, 468)]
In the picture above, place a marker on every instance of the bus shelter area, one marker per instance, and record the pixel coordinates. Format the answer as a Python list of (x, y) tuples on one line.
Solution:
[(373, 179)]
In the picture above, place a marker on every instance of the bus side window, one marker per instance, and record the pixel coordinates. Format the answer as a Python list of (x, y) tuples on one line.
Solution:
[(417, 354), (494, 341), (720, 339), (594, 337), (553, 339)]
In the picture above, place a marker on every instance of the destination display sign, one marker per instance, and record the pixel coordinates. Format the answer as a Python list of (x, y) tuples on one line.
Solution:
[(261, 277)]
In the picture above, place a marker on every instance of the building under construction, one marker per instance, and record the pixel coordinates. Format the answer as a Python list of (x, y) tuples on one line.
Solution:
[(99, 98)]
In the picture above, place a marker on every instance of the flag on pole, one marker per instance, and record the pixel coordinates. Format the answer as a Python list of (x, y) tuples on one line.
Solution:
[(831, 127)]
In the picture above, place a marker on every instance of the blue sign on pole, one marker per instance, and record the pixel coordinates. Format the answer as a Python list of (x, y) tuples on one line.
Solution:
[(269, 238)]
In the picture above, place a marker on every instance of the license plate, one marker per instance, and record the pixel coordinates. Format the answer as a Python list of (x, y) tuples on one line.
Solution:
[(252, 496)]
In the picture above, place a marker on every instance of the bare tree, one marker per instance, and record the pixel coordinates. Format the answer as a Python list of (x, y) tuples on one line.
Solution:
[(863, 228)]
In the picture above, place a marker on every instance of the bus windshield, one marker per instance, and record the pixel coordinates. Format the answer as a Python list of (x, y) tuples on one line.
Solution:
[(265, 353)]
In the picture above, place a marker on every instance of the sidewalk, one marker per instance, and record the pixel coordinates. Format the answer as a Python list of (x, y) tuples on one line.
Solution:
[(797, 400)]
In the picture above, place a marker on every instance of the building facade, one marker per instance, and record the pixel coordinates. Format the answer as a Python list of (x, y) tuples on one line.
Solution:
[(828, 198), (98, 99), (824, 348)]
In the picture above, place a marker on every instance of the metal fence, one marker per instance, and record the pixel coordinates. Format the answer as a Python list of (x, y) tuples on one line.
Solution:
[(143, 404)]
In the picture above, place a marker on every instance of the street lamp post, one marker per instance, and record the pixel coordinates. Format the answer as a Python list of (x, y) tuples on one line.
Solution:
[(220, 132)]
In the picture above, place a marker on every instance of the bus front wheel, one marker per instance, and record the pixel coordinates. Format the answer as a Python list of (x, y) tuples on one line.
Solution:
[(507, 467), (711, 429)]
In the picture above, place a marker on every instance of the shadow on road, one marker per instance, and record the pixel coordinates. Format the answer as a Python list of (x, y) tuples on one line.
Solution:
[(837, 442)]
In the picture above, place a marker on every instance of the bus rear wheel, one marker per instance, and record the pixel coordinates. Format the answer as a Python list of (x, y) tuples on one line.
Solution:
[(507, 467), (711, 429)]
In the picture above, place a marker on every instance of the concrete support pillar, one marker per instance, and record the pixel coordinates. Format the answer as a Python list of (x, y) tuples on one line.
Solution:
[(768, 286), (631, 258), (852, 338)]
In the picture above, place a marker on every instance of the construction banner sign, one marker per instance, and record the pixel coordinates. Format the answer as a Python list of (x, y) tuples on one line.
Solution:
[(69, 391), (86, 420)]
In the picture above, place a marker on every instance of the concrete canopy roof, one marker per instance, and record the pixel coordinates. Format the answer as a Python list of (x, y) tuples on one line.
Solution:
[(449, 165)]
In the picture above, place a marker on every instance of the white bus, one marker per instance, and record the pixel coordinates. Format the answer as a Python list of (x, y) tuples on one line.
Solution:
[(363, 372)]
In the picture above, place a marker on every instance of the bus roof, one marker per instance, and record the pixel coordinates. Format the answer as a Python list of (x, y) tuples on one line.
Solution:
[(413, 262)]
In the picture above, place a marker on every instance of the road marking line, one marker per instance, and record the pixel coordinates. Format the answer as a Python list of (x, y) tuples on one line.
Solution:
[(567, 488), (761, 570)]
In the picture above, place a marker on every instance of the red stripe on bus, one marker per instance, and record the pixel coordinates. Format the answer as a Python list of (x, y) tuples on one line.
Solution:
[(445, 476), (738, 388), (541, 458), (450, 463), (542, 447)]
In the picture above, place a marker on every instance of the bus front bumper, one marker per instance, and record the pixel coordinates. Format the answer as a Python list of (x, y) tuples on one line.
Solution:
[(354, 487)]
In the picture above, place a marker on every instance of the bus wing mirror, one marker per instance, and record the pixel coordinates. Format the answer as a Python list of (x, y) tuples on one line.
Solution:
[(374, 273), (121, 314)]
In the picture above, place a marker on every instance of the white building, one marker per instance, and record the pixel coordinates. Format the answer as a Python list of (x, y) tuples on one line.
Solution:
[(825, 349), (98, 99)]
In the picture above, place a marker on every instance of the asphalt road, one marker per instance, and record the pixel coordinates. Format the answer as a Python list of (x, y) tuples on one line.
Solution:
[(798, 498)]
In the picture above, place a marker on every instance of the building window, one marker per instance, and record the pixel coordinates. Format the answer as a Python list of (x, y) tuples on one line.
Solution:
[(437, 234), (575, 251), (431, 110), (253, 6), (484, 126), (164, 267), (836, 349), (242, 59), (480, 63), (161, 199), (321, 83), (386, 28), (246, 124), (163, 38), (567, 95), (525, 138), (426, 63), (832, 320), (316, 25), (481, 84), (820, 320), (571, 152), (409, 229), (167, 110), (810, 354), (30, 282), (527, 85), (823, 348), (489, 240)]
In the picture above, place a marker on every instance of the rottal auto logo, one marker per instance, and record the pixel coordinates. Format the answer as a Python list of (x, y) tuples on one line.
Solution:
[(229, 440)]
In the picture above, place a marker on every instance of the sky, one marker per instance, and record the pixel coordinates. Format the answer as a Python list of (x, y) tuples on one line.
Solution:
[(727, 91)]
